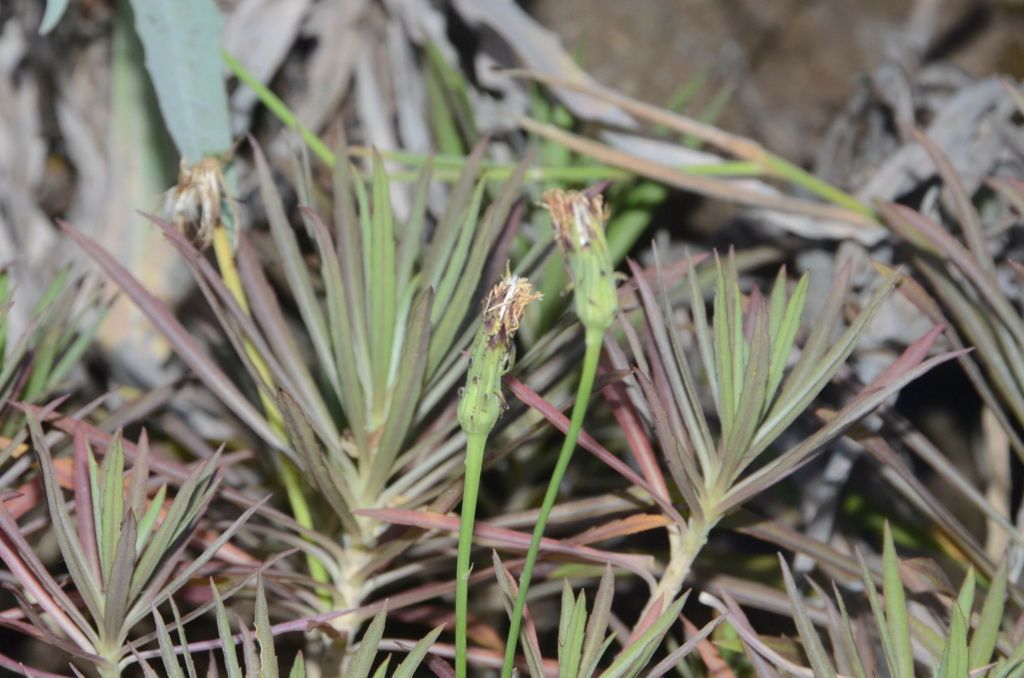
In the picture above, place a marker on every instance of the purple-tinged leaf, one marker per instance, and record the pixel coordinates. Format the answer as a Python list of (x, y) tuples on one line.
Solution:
[(43, 628), (184, 345), (511, 539), (970, 222), (118, 580), (294, 267), (349, 344), (85, 516), (680, 464), (534, 400), (870, 398), (334, 489), (85, 579), (672, 660)]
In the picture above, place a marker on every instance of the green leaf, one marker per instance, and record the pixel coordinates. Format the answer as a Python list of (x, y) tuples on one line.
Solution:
[(111, 504), (570, 633), (362, 662), (753, 396), (181, 40), (264, 634), (808, 634), (167, 653), (983, 640), (954, 655), (86, 581), (411, 240), (406, 391), (634, 658), (191, 496), (349, 344), (227, 643), (848, 640), (407, 669), (298, 667), (593, 646), (382, 298), (295, 269), (896, 614)]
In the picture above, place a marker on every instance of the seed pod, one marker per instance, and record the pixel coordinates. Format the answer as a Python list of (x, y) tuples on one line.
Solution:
[(481, 401), (578, 222)]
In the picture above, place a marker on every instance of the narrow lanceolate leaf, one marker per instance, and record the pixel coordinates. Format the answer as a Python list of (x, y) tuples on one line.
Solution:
[(983, 641), (234, 669), (167, 653), (570, 640), (362, 662), (295, 269), (118, 581), (337, 494), (593, 644), (382, 297), (494, 218), (344, 336), (808, 634), (111, 504), (752, 397), (407, 669), (634, 658), (183, 342), (264, 634), (86, 580), (896, 615), (406, 389), (954, 654)]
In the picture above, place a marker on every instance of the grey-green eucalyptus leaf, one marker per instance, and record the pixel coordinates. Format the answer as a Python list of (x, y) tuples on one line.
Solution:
[(51, 17), (182, 45)]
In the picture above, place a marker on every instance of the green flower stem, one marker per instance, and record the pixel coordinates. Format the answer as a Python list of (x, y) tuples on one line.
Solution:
[(449, 167), (289, 474), (480, 406), (594, 338), (475, 444), (774, 165)]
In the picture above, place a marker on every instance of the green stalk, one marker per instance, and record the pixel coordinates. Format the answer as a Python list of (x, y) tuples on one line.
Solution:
[(475, 444), (480, 406), (449, 167), (594, 338), (578, 223)]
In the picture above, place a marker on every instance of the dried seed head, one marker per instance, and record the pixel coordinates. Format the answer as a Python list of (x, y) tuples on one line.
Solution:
[(578, 222), (195, 204), (481, 401)]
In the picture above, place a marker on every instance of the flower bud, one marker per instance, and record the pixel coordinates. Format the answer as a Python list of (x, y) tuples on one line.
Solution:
[(481, 402), (578, 222)]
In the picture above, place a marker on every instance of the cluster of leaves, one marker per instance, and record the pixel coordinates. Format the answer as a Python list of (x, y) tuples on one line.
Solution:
[(341, 375)]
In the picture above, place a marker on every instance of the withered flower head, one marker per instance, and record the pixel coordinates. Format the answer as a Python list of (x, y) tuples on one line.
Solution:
[(195, 205), (578, 222), (481, 401)]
